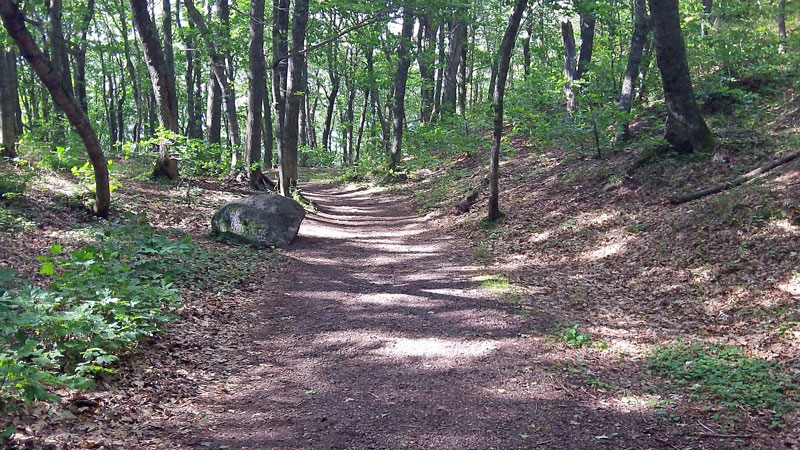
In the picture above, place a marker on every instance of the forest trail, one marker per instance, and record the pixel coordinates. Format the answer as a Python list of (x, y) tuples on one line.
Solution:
[(380, 339)]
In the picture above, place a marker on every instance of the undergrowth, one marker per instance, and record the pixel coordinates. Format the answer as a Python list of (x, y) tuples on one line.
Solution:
[(102, 299), (725, 374)]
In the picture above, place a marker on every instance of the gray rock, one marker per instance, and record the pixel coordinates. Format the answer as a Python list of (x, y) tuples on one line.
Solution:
[(263, 220)]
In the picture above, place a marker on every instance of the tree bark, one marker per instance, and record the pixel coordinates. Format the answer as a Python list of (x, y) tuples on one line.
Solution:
[(568, 39), (255, 97), (400, 81), (437, 93), (640, 30), (686, 131), (294, 84), (587, 44), (14, 22), (280, 48), (462, 77), (425, 59), (269, 137), (163, 89), (8, 111), (506, 49), (781, 25), (326, 132), (458, 35), (80, 57), (213, 111), (218, 66)]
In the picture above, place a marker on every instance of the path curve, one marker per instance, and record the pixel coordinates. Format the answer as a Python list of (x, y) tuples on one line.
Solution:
[(380, 339)]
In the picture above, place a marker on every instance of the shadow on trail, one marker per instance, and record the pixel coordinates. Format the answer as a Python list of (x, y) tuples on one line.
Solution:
[(381, 340)]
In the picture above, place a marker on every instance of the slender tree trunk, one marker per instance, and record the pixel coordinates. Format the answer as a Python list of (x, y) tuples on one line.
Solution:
[(781, 25), (526, 47), (361, 124), (425, 59), (163, 89), (304, 110), (14, 22), (686, 131), (708, 20), (137, 92), (462, 78), (213, 111), (640, 30), (80, 57), (458, 36), (218, 66), (437, 94), (568, 39), (269, 137), (326, 132), (506, 49), (169, 56), (294, 84), (255, 98), (193, 130), (400, 81), (8, 112), (280, 48), (376, 100)]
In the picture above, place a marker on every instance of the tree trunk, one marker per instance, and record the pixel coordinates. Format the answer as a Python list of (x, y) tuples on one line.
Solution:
[(640, 30), (280, 48), (255, 97), (269, 137), (213, 111), (587, 44), (462, 78), (80, 57), (708, 20), (218, 66), (506, 49), (568, 39), (781, 25), (137, 92), (14, 22), (326, 132), (348, 124), (526, 47), (458, 34), (193, 130), (303, 117), (294, 84), (686, 131), (425, 59), (361, 124), (169, 56), (400, 81), (165, 96), (8, 111), (437, 94)]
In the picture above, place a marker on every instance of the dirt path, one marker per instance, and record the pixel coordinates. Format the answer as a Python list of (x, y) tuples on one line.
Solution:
[(380, 340)]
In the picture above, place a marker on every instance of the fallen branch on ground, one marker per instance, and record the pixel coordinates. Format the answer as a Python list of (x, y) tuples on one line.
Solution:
[(678, 199)]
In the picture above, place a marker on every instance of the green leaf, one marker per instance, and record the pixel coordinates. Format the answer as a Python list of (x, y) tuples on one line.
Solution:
[(55, 249), (48, 268)]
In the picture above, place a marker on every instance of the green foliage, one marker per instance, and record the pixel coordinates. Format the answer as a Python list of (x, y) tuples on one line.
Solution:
[(573, 337), (85, 176), (14, 179), (61, 158), (197, 158), (728, 375), (102, 300)]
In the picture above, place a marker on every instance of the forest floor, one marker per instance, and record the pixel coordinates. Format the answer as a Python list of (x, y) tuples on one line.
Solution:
[(377, 329), (392, 323)]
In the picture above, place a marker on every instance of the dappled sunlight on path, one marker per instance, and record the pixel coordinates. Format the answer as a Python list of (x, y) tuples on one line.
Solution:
[(381, 338)]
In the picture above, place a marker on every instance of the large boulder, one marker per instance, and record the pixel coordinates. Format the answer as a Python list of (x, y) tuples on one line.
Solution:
[(263, 220)]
